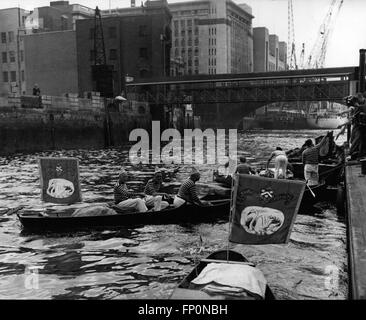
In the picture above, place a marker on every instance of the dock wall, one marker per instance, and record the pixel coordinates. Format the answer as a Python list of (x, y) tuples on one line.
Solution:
[(29, 124), (356, 211)]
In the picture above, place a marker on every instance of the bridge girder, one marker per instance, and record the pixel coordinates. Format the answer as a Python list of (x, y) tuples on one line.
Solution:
[(296, 91)]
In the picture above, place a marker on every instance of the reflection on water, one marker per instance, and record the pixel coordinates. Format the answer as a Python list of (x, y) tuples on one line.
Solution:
[(149, 262)]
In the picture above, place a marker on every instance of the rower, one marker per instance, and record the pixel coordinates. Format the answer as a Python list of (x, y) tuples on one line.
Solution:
[(123, 198), (188, 191), (310, 160), (243, 167), (153, 197), (280, 163)]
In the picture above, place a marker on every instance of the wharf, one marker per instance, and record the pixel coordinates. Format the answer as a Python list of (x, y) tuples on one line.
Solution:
[(356, 208)]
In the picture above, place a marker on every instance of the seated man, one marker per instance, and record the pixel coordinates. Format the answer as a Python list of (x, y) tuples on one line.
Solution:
[(188, 191), (280, 163), (153, 197), (123, 199), (243, 167)]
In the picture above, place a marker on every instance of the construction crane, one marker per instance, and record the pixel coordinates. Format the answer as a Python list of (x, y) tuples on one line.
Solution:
[(291, 49), (318, 53), (102, 73)]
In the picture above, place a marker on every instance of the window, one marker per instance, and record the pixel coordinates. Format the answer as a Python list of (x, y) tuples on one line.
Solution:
[(189, 23), (196, 42), (63, 23), (12, 56), (175, 24), (182, 33), (5, 77), (189, 42), (176, 42), (189, 63), (11, 36), (196, 63), (3, 37), (4, 56), (183, 52), (182, 24), (143, 53), (113, 54), (143, 31), (21, 55), (23, 78), (13, 76), (183, 43), (176, 52), (112, 32), (196, 71), (196, 52)]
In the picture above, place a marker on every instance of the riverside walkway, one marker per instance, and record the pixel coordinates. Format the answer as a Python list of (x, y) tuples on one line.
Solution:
[(356, 208)]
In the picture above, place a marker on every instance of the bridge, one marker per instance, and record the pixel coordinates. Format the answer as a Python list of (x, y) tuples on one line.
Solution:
[(229, 97)]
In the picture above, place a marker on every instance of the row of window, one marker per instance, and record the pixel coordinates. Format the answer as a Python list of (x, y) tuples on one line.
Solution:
[(183, 42), (183, 52), (212, 52), (13, 76), (113, 55), (211, 70), (212, 31), (212, 62), (7, 37), (112, 32), (183, 32), (10, 56), (212, 41)]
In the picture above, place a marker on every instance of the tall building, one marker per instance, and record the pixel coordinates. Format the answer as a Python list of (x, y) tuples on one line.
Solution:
[(12, 77), (269, 52), (59, 15), (51, 62), (212, 36), (137, 44)]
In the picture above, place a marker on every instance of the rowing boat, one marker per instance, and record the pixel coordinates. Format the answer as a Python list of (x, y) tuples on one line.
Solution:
[(185, 290), (65, 221)]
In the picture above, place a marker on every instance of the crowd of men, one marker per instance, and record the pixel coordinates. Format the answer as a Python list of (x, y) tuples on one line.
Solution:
[(154, 199), (357, 121)]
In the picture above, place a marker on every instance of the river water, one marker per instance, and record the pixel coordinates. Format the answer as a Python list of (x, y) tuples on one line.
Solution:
[(148, 262)]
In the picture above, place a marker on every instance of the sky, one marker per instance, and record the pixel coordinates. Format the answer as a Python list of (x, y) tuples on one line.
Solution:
[(349, 34)]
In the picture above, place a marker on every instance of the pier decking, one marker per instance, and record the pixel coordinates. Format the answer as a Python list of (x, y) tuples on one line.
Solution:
[(356, 207)]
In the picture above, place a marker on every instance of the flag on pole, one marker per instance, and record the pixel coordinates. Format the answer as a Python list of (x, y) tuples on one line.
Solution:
[(263, 209), (60, 180)]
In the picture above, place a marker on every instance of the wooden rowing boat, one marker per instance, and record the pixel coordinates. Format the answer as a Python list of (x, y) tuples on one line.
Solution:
[(64, 221), (185, 291)]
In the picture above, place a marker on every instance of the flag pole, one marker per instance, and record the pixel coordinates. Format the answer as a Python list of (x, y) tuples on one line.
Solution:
[(232, 211)]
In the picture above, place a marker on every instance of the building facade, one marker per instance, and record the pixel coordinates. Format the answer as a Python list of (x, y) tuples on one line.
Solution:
[(137, 44), (58, 16), (269, 53), (212, 36), (51, 62), (12, 76)]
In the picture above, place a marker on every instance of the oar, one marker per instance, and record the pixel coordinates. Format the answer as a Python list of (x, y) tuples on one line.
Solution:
[(311, 191)]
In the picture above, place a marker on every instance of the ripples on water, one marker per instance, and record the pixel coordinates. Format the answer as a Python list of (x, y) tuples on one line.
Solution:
[(149, 262)]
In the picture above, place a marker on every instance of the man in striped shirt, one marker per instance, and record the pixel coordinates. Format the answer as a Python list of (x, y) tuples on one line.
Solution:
[(188, 191), (122, 197), (310, 159), (153, 197)]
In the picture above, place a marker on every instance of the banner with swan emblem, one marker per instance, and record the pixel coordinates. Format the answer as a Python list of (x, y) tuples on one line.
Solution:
[(60, 180), (263, 210)]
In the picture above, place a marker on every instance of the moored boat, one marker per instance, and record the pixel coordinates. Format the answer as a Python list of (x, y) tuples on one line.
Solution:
[(65, 221), (187, 290)]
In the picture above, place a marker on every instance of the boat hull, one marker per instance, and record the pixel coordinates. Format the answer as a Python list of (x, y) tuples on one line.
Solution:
[(184, 292), (325, 123), (184, 214)]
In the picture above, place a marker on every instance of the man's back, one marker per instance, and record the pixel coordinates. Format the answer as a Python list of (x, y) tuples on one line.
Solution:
[(187, 191), (311, 155), (243, 168)]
